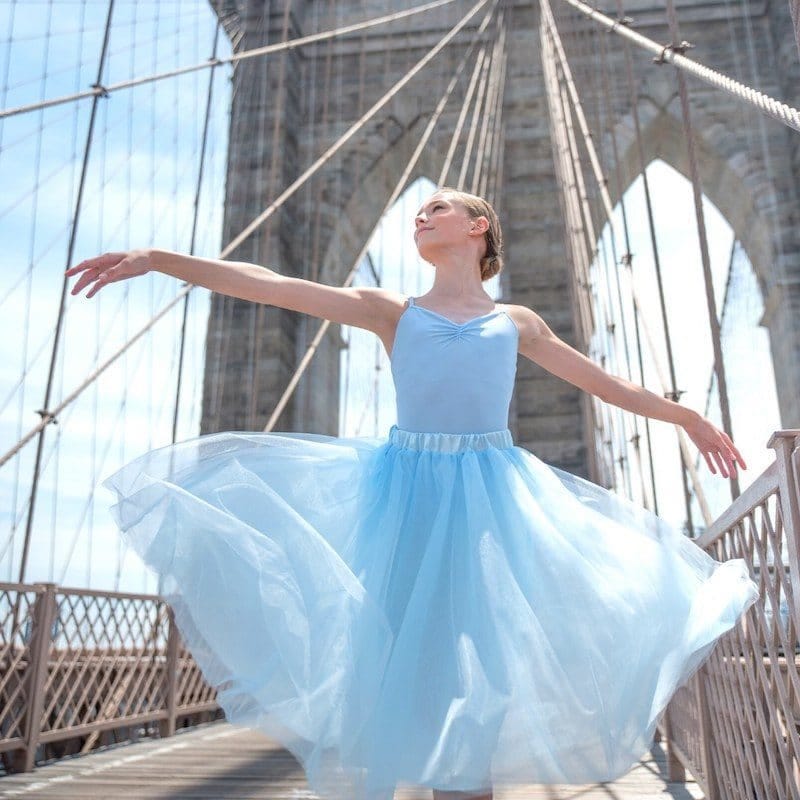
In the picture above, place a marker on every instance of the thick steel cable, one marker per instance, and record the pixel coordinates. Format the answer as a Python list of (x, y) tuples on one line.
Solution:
[(621, 420), (602, 182), (708, 278), (495, 132), (489, 100), (60, 316), (782, 112), (258, 309), (98, 90), (586, 226), (398, 190), (473, 125), (193, 236), (575, 244), (462, 115), (548, 23), (607, 336), (50, 415), (627, 261)]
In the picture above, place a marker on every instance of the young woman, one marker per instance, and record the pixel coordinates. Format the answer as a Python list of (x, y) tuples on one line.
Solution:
[(438, 606)]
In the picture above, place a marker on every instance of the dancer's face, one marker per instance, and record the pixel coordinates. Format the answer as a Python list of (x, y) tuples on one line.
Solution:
[(441, 225)]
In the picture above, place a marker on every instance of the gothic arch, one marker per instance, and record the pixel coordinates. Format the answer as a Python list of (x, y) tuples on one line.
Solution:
[(727, 173)]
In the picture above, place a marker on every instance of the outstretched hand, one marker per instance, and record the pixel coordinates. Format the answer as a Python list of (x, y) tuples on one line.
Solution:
[(109, 268), (715, 445)]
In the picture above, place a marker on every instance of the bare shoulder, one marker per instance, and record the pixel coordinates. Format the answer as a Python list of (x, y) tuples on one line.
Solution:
[(385, 305), (528, 322)]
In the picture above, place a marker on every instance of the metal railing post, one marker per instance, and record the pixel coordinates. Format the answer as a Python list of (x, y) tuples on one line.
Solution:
[(167, 726), (712, 788), (676, 772), (43, 614), (785, 443)]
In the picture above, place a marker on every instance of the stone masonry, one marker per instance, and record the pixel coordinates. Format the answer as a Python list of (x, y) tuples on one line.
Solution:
[(288, 107)]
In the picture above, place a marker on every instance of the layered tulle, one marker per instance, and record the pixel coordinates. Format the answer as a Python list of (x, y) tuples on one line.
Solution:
[(444, 610)]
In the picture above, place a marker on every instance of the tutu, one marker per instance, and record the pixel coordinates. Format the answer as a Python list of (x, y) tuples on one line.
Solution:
[(434, 607)]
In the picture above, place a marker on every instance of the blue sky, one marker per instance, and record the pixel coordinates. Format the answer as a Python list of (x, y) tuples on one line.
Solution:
[(139, 191)]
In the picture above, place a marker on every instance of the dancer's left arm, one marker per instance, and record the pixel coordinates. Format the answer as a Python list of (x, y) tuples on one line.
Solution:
[(538, 343)]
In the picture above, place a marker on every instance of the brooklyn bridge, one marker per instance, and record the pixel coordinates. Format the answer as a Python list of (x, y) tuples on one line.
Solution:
[(645, 160)]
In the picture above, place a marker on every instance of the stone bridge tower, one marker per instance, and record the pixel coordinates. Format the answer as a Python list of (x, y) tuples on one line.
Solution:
[(287, 108)]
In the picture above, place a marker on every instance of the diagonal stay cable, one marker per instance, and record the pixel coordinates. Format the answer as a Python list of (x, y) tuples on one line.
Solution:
[(353, 129), (50, 415), (398, 190), (99, 90), (608, 208), (782, 112)]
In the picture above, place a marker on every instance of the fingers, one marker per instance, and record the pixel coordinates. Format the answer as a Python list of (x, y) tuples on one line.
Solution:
[(85, 279), (736, 454), (97, 262), (720, 463), (716, 447), (95, 269)]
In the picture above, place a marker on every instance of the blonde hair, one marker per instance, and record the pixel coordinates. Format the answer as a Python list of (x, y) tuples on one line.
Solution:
[(492, 261)]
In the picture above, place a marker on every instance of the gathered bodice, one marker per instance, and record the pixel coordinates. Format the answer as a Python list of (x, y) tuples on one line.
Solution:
[(453, 377)]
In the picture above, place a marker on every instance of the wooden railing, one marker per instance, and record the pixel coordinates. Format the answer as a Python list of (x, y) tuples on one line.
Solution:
[(735, 725), (78, 665)]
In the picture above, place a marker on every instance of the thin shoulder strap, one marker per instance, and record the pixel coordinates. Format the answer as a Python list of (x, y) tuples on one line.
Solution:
[(410, 300)]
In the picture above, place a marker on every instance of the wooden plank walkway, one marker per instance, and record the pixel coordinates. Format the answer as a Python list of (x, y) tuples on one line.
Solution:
[(221, 762)]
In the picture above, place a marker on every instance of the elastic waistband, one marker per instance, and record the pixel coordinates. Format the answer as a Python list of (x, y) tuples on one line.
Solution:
[(450, 442)]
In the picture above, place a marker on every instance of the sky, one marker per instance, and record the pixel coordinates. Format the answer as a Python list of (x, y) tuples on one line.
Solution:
[(139, 191)]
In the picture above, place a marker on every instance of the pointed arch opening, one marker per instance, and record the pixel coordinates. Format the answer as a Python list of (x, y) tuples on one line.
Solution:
[(745, 340)]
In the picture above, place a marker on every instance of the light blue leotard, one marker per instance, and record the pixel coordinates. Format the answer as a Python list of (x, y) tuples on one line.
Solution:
[(453, 377)]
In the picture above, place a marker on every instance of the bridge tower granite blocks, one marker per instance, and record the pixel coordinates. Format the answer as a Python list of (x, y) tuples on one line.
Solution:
[(289, 106)]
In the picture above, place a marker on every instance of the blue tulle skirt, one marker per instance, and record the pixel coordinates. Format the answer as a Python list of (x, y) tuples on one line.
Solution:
[(438, 609)]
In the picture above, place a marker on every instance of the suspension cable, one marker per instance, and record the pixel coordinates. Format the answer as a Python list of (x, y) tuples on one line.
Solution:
[(627, 260), (354, 128), (670, 54), (462, 115), (62, 303), (600, 178), (697, 190), (398, 190), (98, 90), (49, 415)]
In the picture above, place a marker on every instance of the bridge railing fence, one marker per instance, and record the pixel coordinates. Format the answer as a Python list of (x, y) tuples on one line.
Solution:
[(80, 668), (77, 665), (735, 725)]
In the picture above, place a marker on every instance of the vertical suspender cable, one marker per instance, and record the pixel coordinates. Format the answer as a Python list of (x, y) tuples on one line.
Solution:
[(685, 459), (697, 189), (627, 260), (398, 189), (43, 412), (193, 239), (674, 392), (265, 232)]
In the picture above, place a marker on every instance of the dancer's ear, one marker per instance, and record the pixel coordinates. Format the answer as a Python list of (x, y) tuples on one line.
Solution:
[(479, 226)]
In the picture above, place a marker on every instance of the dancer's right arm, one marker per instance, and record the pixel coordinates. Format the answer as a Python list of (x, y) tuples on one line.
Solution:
[(363, 307)]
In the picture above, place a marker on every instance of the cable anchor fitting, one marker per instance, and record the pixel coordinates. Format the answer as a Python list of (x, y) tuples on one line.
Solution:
[(675, 48), (100, 90), (675, 396), (626, 22), (47, 417)]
